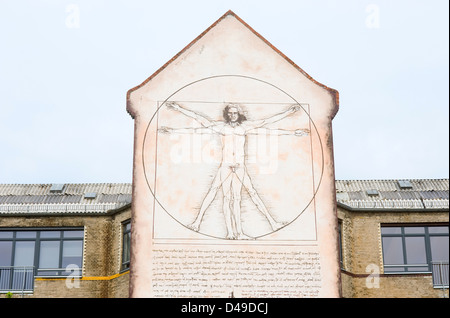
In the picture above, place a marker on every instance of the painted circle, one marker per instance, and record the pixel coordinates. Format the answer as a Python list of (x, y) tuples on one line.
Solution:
[(242, 77)]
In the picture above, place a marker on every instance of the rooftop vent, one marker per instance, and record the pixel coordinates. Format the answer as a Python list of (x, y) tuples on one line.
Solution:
[(405, 184), (57, 188), (90, 195), (372, 192)]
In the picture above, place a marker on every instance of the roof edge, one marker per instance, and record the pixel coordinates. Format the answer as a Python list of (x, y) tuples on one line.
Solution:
[(129, 110), (332, 91), (424, 209)]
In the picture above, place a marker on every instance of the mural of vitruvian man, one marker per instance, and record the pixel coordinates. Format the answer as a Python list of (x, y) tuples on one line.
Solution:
[(232, 176), (233, 173)]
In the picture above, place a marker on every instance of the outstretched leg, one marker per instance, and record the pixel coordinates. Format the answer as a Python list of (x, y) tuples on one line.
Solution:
[(216, 184), (236, 186), (248, 185), (227, 196)]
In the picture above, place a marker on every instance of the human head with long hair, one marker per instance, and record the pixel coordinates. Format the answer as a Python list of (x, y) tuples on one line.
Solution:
[(232, 113)]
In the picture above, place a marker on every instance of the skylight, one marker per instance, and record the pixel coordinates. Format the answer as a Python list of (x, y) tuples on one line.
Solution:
[(90, 195), (405, 184), (57, 188)]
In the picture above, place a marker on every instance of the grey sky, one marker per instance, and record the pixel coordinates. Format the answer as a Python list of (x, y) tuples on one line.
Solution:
[(65, 68)]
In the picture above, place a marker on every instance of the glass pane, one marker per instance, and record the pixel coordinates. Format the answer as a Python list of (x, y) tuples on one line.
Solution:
[(26, 234), (50, 234), (414, 230), (24, 254), (415, 250), (72, 253), (126, 248), (47, 273), (5, 253), (418, 269), (394, 269), (127, 227), (5, 234), (74, 234), (438, 229), (439, 248), (392, 250), (49, 254), (391, 230)]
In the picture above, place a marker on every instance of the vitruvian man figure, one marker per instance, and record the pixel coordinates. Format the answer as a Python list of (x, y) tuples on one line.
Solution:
[(232, 174)]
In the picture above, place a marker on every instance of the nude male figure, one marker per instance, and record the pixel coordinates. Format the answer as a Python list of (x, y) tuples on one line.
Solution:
[(232, 174)]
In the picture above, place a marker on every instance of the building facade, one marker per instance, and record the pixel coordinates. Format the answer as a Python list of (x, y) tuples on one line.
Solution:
[(73, 240), (394, 238), (64, 240), (233, 133)]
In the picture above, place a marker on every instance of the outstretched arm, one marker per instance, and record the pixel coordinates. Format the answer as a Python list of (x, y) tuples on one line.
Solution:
[(279, 132), (205, 122), (273, 119), (201, 130)]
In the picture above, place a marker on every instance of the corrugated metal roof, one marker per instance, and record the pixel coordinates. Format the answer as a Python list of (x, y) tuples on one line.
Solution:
[(423, 194), (38, 198)]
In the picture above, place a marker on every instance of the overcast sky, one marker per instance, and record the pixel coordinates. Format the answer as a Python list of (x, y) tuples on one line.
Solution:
[(66, 66)]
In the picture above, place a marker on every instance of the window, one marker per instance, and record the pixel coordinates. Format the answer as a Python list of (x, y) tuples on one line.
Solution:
[(341, 255), (126, 238), (413, 249), (49, 251)]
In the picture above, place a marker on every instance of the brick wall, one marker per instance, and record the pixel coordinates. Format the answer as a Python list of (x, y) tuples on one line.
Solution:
[(101, 272), (362, 255), (363, 261)]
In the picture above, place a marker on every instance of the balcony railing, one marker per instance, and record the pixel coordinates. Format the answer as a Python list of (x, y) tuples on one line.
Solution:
[(440, 274), (18, 279)]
